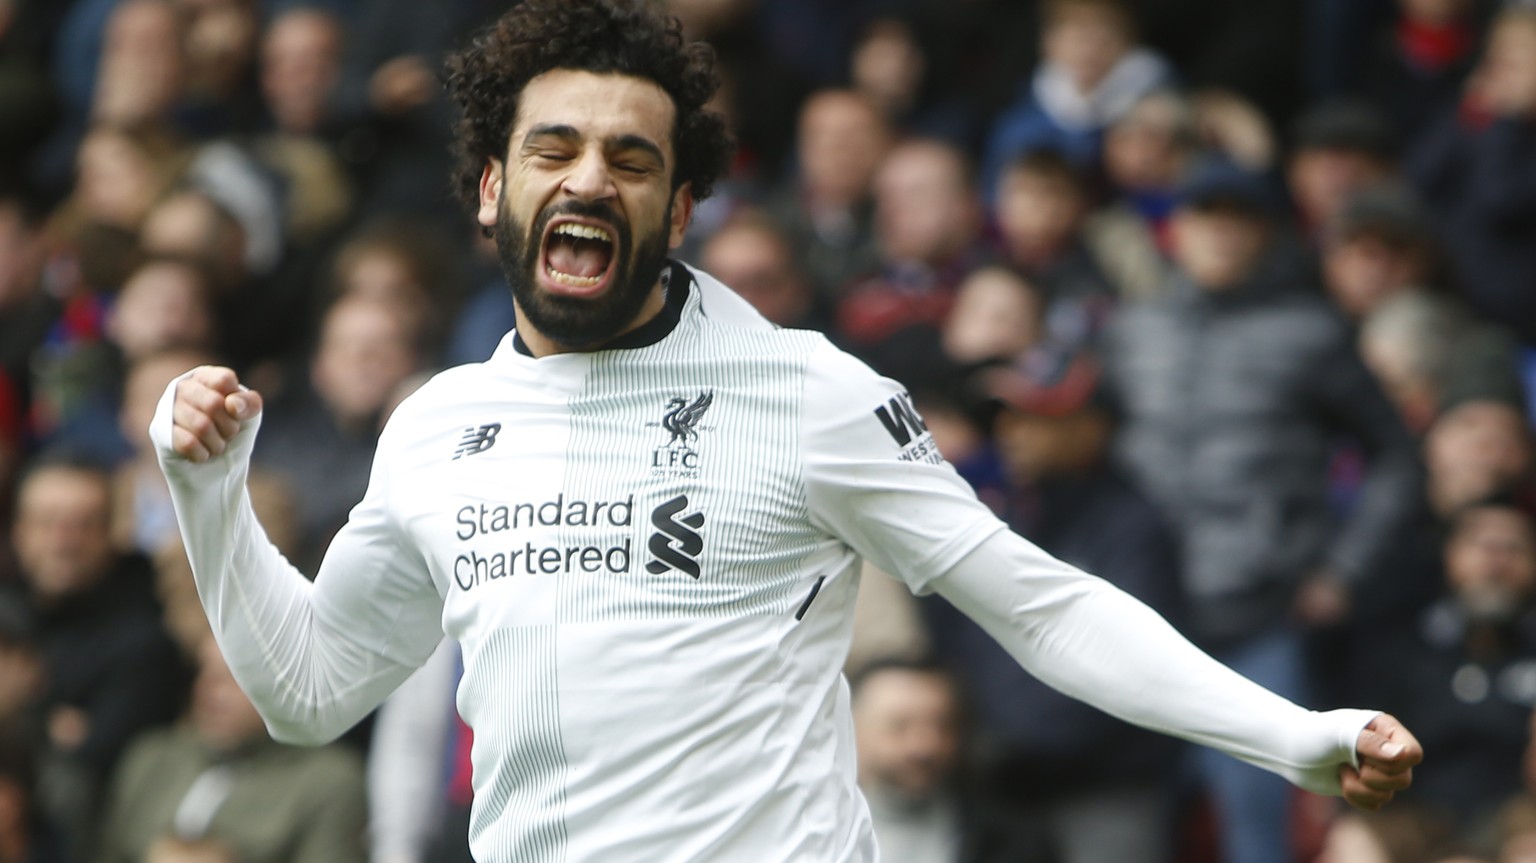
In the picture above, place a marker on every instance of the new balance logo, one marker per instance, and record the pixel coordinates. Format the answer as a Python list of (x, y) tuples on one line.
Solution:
[(900, 419), (477, 440), (676, 543)]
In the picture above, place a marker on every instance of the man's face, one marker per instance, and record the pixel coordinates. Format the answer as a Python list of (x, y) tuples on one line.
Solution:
[(1218, 245), (1037, 213), (63, 531), (1323, 179), (906, 726), (301, 60), (583, 207), (841, 142), (1490, 562), (924, 210), (1475, 448), (1363, 271)]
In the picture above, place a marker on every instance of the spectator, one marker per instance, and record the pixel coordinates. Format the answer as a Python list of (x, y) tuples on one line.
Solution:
[(907, 721), (407, 266), (321, 440), (1463, 671), (1428, 353), (891, 67), (143, 65), (220, 97), (1042, 205), (998, 315), (1339, 148), (111, 670), (1145, 153), (301, 56), (1474, 169), (143, 520), (1474, 449), (1235, 384), (1416, 68), (220, 783), (929, 223), (1090, 787), (1379, 244), (752, 255), (166, 303), (828, 211), (1092, 73)]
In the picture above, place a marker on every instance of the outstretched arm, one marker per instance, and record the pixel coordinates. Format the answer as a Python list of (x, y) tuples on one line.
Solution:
[(873, 479), (1094, 642), (313, 657)]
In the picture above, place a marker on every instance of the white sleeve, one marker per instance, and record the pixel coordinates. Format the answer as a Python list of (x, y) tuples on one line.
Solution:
[(874, 477), (313, 657), (874, 480), (1092, 641)]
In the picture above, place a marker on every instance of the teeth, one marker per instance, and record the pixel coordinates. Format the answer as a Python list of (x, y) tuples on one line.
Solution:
[(583, 232), (573, 281)]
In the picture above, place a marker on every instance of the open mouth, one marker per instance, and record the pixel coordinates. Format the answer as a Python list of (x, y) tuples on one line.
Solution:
[(578, 256)]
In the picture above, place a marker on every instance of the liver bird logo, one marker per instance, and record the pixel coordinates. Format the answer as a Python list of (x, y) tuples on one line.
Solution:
[(682, 417)]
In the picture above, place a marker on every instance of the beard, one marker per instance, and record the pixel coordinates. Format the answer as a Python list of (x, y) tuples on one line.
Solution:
[(580, 323)]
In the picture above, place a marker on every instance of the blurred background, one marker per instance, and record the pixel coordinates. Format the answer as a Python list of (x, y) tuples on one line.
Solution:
[(1232, 304)]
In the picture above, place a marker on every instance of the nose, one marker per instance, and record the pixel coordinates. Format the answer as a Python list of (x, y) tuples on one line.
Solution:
[(590, 178)]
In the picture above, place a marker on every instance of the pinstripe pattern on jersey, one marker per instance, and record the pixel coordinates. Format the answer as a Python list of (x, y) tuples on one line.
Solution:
[(749, 485), (526, 786)]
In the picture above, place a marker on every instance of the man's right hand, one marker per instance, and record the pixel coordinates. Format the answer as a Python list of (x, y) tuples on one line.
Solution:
[(210, 406)]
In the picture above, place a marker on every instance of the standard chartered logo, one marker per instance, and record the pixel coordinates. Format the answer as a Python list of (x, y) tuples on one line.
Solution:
[(676, 543), (489, 554)]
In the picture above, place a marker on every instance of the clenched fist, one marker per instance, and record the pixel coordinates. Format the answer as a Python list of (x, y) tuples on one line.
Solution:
[(1388, 753), (210, 406)]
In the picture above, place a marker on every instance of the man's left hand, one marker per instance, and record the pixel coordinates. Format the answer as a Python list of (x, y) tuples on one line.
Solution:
[(1388, 753)]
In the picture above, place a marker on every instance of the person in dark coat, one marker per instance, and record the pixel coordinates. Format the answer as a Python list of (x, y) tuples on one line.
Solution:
[(1465, 669), (110, 669), (1474, 168)]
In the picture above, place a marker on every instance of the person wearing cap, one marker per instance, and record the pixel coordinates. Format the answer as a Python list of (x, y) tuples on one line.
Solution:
[(1086, 786), (1235, 384), (1339, 147)]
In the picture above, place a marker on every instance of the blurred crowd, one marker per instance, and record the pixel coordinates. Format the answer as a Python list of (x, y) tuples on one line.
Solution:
[(1231, 304)]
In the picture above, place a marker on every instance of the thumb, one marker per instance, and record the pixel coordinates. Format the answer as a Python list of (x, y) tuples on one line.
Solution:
[(243, 405)]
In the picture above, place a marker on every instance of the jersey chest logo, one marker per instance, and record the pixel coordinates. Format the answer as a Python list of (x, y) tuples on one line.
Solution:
[(678, 456)]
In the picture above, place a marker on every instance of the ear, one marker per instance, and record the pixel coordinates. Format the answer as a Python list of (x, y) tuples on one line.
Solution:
[(490, 193), (682, 213)]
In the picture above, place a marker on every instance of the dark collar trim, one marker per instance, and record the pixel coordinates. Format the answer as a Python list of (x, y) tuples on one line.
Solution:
[(677, 282)]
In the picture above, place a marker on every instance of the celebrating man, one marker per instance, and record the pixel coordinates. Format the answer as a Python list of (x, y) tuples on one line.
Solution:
[(642, 518)]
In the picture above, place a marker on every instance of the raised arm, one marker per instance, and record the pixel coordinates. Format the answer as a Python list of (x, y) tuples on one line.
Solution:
[(313, 657)]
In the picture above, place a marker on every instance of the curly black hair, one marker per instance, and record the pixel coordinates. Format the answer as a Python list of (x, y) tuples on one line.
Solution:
[(626, 37)]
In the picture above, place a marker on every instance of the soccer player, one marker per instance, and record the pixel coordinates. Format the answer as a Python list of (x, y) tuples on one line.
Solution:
[(642, 517)]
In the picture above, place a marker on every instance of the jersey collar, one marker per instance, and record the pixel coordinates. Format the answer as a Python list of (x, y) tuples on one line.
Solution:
[(677, 282)]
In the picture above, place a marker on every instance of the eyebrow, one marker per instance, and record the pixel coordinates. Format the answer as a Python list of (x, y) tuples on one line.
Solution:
[(629, 141)]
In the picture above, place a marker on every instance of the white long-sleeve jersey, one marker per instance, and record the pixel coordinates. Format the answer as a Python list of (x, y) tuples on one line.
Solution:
[(649, 555)]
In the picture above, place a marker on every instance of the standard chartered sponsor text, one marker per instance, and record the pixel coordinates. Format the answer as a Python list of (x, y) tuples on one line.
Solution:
[(479, 565)]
